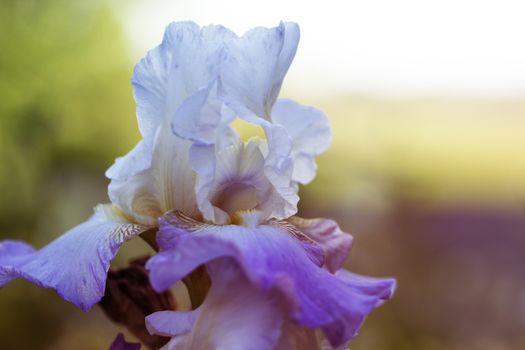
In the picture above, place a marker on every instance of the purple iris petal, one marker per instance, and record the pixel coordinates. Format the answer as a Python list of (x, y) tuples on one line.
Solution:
[(272, 259), (235, 315), (11, 253), (121, 344), (328, 235), (75, 264), (171, 323)]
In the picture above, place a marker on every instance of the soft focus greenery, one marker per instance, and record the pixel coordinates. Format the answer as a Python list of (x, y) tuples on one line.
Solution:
[(431, 189), (66, 100), (66, 112)]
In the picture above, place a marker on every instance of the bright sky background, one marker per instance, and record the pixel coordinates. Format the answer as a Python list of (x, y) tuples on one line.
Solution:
[(385, 47)]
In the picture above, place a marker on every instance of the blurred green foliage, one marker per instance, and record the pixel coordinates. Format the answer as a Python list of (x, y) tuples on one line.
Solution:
[(66, 108), (66, 100)]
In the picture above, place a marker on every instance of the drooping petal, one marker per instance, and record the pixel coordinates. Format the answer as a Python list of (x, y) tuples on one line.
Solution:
[(272, 260), (168, 184), (377, 290), (121, 344), (235, 315), (310, 132), (171, 323), (11, 253), (325, 232), (255, 66), (383, 288), (76, 263)]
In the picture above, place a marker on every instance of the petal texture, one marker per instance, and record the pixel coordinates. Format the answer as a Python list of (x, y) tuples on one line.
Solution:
[(233, 176), (272, 260), (171, 323), (310, 133), (336, 243), (234, 315), (168, 184), (278, 168), (11, 253), (202, 117), (187, 60), (255, 66), (76, 263)]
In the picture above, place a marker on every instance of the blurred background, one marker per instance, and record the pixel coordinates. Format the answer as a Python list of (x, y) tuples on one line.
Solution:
[(426, 170)]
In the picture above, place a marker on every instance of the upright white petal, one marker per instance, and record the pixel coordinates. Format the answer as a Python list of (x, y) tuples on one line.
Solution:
[(278, 168), (187, 60), (255, 66), (203, 117), (168, 184), (138, 159), (310, 133)]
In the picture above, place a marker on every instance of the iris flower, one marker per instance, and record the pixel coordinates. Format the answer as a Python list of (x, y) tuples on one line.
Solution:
[(218, 201)]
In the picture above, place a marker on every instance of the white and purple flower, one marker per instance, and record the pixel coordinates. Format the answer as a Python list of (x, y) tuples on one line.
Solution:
[(218, 201)]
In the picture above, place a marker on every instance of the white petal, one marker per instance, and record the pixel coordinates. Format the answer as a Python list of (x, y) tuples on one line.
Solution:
[(203, 160), (167, 185), (136, 160), (256, 63), (278, 168), (310, 132), (221, 169), (202, 117), (187, 59), (171, 323)]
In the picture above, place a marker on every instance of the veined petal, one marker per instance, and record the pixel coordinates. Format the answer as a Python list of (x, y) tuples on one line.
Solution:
[(168, 184), (336, 243), (255, 66), (310, 132), (11, 253), (376, 290), (278, 168), (235, 315), (171, 323), (230, 178), (202, 117), (272, 260), (76, 263), (187, 59)]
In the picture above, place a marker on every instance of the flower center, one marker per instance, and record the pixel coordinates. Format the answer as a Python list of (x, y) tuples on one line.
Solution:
[(235, 197)]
